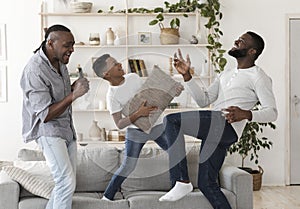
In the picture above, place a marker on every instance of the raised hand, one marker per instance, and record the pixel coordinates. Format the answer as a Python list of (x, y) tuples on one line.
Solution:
[(183, 66)]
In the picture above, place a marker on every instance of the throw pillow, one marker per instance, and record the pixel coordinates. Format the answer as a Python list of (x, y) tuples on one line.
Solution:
[(34, 176), (158, 90)]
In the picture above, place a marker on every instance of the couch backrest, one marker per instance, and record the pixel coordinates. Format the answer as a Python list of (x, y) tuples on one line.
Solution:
[(95, 167)]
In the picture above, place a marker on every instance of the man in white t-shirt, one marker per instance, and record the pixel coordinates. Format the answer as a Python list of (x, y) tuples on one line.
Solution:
[(233, 95), (123, 87)]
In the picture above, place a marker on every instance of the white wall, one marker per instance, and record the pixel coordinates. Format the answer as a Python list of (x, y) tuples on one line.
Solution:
[(265, 17)]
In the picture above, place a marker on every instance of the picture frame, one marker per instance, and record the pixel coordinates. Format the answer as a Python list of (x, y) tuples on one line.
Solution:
[(144, 38), (2, 41), (3, 83)]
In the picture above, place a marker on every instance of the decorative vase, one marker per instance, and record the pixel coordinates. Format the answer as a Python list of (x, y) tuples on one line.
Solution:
[(110, 37), (95, 131)]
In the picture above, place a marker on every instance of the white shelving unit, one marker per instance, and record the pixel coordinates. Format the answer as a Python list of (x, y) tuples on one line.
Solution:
[(127, 25)]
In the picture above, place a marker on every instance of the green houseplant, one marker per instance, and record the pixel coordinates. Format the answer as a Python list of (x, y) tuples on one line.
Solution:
[(170, 35), (249, 145), (210, 9)]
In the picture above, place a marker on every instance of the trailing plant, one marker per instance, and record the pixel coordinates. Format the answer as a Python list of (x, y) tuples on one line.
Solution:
[(210, 9), (251, 141)]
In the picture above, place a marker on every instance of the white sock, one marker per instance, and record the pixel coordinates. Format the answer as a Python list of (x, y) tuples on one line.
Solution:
[(177, 192), (105, 198)]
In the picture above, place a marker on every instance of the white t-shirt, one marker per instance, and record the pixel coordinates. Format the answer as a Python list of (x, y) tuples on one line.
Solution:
[(238, 87), (118, 96)]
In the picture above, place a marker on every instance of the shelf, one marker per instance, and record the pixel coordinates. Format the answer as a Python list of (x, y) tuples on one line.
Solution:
[(112, 14), (88, 77), (92, 14), (90, 110), (141, 46), (188, 140), (128, 26)]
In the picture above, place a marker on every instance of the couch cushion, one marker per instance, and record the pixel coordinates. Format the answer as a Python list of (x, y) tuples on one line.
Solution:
[(30, 155), (152, 170), (82, 200), (95, 166), (194, 200), (34, 176)]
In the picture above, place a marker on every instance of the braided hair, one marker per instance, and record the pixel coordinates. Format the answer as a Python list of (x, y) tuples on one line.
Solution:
[(53, 28)]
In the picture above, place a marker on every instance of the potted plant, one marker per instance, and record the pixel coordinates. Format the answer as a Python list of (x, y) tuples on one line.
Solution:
[(249, 144), (170, 35), (209, 9)]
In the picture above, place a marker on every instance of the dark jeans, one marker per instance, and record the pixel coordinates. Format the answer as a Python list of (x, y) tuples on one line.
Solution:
[(134, 141), (216, 135)]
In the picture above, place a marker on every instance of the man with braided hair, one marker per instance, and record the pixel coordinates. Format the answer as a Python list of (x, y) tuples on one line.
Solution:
[(47, 113)]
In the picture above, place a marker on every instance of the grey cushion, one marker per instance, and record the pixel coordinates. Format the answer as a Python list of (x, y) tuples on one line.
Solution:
[(30, 155), (80, 201), (158, 90), (95, 167), (33, 178), (193, 200), (151, 172)]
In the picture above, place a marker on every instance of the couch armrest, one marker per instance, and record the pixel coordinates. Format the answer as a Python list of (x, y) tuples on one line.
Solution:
[(240, 183), (9, 192)]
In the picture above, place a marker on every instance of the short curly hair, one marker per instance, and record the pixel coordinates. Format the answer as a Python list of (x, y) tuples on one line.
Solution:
[(100, 65)]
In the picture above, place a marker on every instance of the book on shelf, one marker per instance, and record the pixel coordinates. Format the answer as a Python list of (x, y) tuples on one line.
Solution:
[(131, 66), (143, 68), (138, 66)]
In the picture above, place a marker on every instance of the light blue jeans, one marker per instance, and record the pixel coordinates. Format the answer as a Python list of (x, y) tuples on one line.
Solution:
[(60, 156)]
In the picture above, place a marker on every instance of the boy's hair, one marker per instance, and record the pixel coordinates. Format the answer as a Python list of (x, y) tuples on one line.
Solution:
[(100, 65)]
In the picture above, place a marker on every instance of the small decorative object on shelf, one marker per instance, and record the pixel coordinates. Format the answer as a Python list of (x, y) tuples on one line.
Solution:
[(171, 66), (116, 135), (168, 35), (144, 38), (95, 131), (103, 134), (81, 7), (204, 69), (194, 40), (94, 39), (110, 37), (174, 105), (80, 72)]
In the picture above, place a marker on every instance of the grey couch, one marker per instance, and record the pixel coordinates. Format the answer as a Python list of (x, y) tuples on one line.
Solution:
[(141, 190)]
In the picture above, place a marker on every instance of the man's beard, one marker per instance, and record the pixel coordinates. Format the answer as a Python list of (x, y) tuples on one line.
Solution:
[(238, 53)]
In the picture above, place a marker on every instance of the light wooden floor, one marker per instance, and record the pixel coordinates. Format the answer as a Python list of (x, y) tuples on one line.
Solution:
[(271, 197)]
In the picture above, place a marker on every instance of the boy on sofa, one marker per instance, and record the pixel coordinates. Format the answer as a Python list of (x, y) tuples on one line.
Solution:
[(122, 88)]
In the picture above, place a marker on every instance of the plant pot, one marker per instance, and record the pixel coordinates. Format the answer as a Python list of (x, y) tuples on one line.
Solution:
[(169, 35), (257, 178), (256, 175)]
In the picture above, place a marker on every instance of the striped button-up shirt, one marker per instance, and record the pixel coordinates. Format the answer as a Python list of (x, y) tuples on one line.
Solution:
[(43, 86)]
